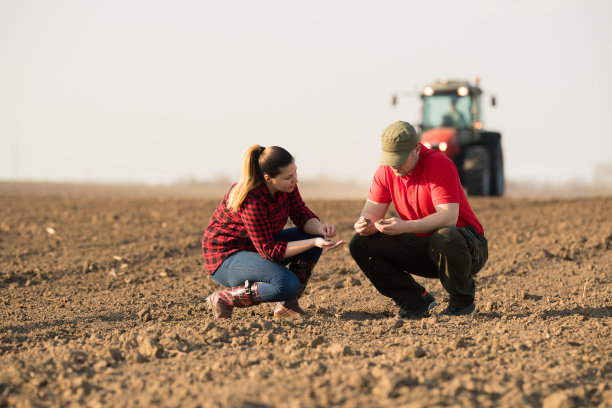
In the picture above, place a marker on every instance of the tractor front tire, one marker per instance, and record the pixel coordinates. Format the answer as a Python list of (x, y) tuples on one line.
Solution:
[(477, 171)]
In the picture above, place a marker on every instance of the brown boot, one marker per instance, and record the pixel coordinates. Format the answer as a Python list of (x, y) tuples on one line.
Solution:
[(291, 307), (223, 302)]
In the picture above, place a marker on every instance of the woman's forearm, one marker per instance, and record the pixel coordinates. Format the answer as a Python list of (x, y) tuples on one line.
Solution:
[(297, 247), (313, 226)]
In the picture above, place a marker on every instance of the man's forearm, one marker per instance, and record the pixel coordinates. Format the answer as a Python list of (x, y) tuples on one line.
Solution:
[(374, 211), (431, 223)]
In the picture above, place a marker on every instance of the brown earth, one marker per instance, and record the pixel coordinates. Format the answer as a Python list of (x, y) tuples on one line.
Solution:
[(102, 304)]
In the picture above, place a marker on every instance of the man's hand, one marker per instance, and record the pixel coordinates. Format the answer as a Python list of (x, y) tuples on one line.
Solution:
[(371, 212), (391, 226), (364, 226)]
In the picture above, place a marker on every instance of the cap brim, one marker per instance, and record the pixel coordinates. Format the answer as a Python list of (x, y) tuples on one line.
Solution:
[(393, 159)]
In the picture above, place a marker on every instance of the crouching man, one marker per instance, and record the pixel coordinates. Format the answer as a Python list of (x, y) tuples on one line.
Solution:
[(436, 235)]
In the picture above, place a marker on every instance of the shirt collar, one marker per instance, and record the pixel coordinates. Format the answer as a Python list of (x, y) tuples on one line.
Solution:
[(263, 189)]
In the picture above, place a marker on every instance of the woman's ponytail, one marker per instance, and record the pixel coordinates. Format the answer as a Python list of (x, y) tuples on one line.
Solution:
[(250, 177)]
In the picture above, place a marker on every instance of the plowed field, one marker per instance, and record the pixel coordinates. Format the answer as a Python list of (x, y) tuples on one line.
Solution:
[(102, 304)]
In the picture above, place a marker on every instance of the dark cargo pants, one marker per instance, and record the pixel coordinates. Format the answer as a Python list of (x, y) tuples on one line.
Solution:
[(453, 255)]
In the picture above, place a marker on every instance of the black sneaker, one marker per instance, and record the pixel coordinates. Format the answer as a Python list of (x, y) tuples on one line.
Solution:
[(459, 311), (422, 308)]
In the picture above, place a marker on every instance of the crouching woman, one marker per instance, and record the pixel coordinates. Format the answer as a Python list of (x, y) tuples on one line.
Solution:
[(246, 247)]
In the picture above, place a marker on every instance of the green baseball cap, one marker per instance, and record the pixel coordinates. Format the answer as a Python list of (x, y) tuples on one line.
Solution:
[(398, 141)]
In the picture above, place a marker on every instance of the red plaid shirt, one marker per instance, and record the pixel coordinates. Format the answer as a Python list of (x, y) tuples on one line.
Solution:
[(253, 227)]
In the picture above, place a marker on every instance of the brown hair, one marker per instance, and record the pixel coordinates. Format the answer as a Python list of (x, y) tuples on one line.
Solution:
[(257, 161)]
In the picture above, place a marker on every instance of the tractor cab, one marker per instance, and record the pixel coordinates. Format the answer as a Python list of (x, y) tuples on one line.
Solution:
[(446, 110), (455, 107)]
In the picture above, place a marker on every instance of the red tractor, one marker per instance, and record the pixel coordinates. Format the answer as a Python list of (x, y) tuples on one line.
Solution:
[(452, 123)]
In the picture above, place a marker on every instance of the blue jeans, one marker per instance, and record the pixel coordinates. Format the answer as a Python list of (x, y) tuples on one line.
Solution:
[(276, 282)]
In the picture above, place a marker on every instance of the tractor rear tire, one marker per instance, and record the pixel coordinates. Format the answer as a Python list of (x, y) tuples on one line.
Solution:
[(497, 171), (477, 171)]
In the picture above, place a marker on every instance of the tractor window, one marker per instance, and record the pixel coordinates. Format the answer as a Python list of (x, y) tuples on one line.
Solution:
[(446, 111)]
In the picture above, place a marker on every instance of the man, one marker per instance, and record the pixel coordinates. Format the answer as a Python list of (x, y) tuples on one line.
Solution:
[(436, 235), (453, 117)]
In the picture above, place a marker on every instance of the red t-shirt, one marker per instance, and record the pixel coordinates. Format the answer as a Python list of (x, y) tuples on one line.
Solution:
[(434, 181)]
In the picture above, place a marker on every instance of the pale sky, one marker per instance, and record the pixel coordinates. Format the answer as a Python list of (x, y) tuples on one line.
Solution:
[(153, 91)]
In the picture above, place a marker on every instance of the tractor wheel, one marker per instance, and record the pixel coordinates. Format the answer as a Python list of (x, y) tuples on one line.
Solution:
[(497, 171), (476, 171)]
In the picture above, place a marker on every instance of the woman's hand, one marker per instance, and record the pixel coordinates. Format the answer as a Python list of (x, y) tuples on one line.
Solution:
[(315, 227), (391, 226), (364, 226), (328, 245), (328, 230)]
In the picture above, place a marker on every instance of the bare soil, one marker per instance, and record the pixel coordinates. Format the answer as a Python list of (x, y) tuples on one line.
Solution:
[(102, 305)]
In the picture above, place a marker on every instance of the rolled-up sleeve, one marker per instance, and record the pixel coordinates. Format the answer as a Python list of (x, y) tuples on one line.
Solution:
[(255, 216), (299, 212)]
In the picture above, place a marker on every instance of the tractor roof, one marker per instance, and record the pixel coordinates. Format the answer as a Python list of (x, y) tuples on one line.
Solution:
[(444, 86)]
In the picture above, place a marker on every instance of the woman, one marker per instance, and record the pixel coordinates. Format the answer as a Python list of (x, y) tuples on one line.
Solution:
[(245, 246)]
